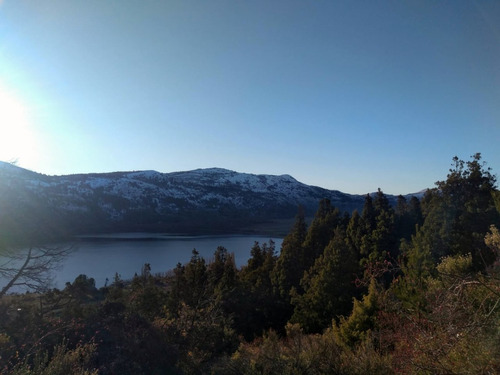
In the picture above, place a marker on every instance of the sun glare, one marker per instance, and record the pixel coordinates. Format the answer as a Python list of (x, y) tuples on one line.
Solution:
[(17, 141)]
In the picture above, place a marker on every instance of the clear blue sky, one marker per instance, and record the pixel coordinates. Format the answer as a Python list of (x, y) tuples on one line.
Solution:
[(346, 95)]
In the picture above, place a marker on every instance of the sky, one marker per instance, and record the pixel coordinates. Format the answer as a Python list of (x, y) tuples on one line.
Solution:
[(346, 95)]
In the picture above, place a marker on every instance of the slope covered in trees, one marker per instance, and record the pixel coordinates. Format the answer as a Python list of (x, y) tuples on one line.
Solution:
[(410, 289)]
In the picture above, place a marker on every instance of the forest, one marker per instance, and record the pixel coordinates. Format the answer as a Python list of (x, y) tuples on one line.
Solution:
[(412, 288)]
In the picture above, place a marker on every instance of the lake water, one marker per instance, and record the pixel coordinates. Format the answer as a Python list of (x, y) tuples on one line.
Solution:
[(102, 257)]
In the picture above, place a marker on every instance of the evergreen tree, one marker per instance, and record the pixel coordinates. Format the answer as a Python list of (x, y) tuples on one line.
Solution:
[(354, 233), (222, 273), (415, 213), (378, 239), (417, 266), (367, 224), (320, 232), (401, 206), (368, 214), (381, 203), (328, 286), (290, 263), (189, 284), (459, 212), (147, 298), (362, 321), (407, 217), (257, 309)]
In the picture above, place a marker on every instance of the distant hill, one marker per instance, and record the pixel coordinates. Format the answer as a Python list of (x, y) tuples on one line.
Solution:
[(200, 201)]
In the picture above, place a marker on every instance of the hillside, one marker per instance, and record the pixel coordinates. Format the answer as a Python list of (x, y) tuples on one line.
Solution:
[(199, 201)]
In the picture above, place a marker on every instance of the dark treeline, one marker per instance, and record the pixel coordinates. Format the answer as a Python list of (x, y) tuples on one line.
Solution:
[(410, 288)]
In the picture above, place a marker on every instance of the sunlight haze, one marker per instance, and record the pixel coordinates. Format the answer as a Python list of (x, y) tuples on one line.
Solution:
[(16, 137)]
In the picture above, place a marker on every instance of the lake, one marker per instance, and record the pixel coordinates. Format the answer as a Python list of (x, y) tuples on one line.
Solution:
[(100, 257)]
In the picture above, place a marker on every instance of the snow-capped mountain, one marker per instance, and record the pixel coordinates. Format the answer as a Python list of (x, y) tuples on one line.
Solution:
[(202, 200)]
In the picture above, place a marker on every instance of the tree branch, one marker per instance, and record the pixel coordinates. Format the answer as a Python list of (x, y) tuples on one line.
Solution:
[(31, 267)]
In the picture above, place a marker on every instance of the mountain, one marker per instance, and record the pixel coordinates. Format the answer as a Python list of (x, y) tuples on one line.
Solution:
[(211, 200)]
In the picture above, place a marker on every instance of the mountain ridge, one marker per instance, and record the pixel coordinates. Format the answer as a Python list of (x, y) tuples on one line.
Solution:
[(211, 200), (4, 164)]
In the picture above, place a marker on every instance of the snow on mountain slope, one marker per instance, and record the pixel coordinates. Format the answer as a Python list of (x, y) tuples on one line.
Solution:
[(213, 185), (209, 196)]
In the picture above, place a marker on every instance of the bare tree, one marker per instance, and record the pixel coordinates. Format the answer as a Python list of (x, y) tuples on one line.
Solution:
[(30, 267)]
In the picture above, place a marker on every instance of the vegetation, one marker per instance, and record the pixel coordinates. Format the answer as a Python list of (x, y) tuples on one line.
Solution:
[(409, 289)]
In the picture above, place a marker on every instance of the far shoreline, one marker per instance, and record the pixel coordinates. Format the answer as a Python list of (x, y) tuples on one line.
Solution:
[(151, 236)]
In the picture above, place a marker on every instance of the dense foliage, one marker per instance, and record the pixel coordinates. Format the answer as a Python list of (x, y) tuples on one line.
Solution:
[(408, 289)]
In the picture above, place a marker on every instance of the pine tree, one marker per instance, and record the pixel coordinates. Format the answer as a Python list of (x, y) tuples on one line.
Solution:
[(368, 214), (290, 264), (328, 286), (378, 240), (415, 213), (367, 223), (189, 284), (459, 212), (417, 266), (362, 320), (407, 215), (222, 273), (257, 309), (354, 233), (320, 232)]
